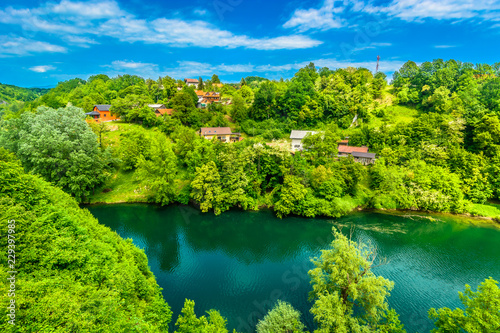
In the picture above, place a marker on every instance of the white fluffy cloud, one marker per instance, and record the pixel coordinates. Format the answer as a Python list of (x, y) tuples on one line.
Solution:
[(80, 41), (441, 10), (20, 46), (126, 64), (106, 18), (444, 46), (330, 14), (42, 69), (321, 19), (90, 9)]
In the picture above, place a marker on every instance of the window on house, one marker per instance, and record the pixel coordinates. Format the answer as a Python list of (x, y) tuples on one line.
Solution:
[(104, 115)]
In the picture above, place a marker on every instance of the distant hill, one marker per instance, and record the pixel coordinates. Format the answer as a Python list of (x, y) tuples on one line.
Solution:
[(250, 79), (10, 93)]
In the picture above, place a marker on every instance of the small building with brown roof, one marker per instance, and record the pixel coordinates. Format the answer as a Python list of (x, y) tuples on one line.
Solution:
[(205, 98), (191, 82), (223, 134), (161, 112), (160, 109), (360, 154)]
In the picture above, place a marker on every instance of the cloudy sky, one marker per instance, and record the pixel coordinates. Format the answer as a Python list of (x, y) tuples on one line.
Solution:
[(44, 42)]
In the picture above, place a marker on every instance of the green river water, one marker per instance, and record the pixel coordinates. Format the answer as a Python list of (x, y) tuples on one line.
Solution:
[(240, 263)]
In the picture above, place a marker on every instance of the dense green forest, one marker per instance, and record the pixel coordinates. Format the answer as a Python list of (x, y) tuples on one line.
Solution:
[(435, 129)]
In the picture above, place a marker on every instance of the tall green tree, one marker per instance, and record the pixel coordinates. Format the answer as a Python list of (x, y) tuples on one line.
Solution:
[(200, 84), (247, 93), (238, 109), (234, 179), (292, 193), (207, 188), (59, 146), (169, 87), (133, 143), (184, 107), (159, 171), (215, 79), (265, 101), (347, 296)]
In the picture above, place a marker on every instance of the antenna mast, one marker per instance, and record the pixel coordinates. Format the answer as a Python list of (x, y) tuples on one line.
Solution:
[(378, 61)]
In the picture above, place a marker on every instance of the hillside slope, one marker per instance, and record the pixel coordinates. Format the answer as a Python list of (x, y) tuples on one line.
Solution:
[(73, 274), (10, 93)]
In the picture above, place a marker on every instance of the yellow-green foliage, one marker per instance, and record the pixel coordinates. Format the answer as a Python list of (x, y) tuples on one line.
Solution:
[(187, 322), (283, 318), (482, 311), (74, 274)]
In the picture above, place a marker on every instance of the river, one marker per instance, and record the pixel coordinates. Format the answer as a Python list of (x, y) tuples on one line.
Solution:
[(241, 262)]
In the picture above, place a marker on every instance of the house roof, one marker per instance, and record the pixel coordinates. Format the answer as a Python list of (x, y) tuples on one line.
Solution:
[(206, 101), (365, 155), (156, 106), (352, 149), (102, 107), (296, 134), (191, 80), (215, 130), (93, 113), (161, 112), (201, 93)]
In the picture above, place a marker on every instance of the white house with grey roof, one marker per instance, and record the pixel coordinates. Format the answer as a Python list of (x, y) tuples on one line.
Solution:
[(296, 136)]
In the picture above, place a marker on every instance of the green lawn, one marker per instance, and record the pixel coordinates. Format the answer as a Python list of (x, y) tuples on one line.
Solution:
[(124, 188), (487, 210), (395, 114)]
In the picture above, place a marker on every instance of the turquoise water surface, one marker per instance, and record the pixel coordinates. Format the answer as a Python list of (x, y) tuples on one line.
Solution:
[(240, 263)]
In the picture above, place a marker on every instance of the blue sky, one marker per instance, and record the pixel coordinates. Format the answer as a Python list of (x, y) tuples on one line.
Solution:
[(44, 42)]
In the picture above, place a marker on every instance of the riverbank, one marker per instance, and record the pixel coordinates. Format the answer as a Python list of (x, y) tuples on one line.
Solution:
[(479, 214), (124, 187)]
